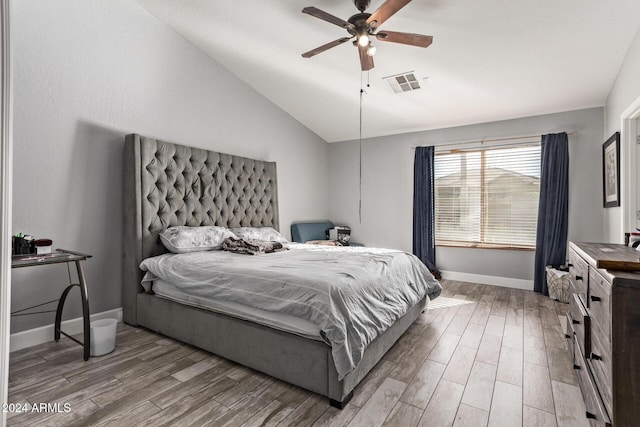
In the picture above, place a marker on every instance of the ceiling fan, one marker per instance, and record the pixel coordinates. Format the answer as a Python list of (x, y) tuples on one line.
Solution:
[(362, 26)]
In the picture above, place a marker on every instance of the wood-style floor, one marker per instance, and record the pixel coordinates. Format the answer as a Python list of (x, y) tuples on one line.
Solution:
[(480, 355)]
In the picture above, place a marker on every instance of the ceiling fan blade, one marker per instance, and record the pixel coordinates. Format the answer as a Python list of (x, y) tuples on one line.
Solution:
[(325, 47), (385, 11), (366, 61), (320, 14), (412, 39)]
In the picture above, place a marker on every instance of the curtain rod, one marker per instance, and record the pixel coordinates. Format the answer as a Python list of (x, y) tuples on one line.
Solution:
[(482, 141)]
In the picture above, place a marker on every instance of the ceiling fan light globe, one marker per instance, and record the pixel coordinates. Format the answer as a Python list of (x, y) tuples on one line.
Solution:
[(371, 50), (363, 40)]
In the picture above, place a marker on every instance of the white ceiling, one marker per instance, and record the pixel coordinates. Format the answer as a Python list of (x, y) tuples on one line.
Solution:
[(490, 60)]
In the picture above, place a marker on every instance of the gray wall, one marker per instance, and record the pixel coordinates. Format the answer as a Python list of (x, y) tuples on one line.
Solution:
[(387, 188), (625, 90), (87, 72)]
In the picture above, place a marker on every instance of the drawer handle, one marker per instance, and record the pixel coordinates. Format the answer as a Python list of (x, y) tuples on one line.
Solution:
[(576, 367), (567, 336), (595, 298), (578, 277), (575, 322), (590, 415), (595, 357), (569, 265)]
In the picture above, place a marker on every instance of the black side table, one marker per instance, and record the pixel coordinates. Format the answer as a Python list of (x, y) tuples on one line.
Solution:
[(57, 257)]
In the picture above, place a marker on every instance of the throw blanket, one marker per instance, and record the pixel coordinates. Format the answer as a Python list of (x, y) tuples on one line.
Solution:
[(251, 246), (352, 294)]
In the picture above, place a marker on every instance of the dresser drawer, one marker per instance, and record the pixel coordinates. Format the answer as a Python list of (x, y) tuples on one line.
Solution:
[(599, 302), (580, 323), (596, 412), (579, 271), (570, 336), (600, 363)]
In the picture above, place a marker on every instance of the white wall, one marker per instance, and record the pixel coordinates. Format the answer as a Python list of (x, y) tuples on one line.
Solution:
[(625, 90), (87, 72), (387, 188)]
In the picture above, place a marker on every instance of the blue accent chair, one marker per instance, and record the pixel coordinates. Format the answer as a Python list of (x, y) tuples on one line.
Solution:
[(304, 231)]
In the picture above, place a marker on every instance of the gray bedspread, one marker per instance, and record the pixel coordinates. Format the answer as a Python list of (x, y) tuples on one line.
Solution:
[(352, 294)]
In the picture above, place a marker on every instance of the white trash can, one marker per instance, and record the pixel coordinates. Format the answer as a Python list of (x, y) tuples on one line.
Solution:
[(103, 336), (558, 282)]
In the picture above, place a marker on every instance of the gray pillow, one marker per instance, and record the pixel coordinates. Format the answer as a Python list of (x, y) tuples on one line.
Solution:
[(259, 233), (183, 239)]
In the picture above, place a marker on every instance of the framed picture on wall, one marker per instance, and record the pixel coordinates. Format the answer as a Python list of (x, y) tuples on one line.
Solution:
[(611, 170)]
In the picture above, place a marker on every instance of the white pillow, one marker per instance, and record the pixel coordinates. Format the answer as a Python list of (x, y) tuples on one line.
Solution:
[(183, 239), (259, 233)]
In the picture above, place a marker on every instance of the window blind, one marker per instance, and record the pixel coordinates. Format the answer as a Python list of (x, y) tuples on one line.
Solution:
[(488, 196)]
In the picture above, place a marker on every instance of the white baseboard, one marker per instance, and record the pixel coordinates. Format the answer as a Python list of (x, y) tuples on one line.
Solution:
[(506, 282), (44, 334)]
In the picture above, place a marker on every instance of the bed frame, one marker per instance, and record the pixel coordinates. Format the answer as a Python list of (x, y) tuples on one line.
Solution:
[(169, 185)]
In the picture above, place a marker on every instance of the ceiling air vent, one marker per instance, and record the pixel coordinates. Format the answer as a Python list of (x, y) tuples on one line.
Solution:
[(404, 82)]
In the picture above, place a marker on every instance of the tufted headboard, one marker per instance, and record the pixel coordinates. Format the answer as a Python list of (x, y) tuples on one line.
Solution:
[(168, 184)]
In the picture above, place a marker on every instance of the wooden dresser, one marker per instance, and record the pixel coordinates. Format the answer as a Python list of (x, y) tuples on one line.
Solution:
[(603, 331)]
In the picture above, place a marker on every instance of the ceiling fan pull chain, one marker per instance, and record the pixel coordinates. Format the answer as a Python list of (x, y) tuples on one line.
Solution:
[(362, 91)]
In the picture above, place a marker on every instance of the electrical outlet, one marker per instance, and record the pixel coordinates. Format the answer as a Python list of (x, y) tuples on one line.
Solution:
[(638, 215)]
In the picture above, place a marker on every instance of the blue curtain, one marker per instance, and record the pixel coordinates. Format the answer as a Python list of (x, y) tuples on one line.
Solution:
[(553, 208), (424, 236)]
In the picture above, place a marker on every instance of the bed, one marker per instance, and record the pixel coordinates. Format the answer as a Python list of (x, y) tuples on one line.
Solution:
[(167, 185)]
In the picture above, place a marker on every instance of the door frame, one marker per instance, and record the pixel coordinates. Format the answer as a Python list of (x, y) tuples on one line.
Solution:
[(6, 163), (630, 164)]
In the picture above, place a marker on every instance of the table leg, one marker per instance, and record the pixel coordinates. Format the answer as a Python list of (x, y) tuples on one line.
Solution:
[(85, 309), (86, 342), (57, 325)]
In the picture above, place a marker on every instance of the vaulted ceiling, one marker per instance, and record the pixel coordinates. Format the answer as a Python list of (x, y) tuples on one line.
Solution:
[(490, 60)]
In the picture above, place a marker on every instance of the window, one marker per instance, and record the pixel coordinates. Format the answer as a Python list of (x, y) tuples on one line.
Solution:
[(487, 198)]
